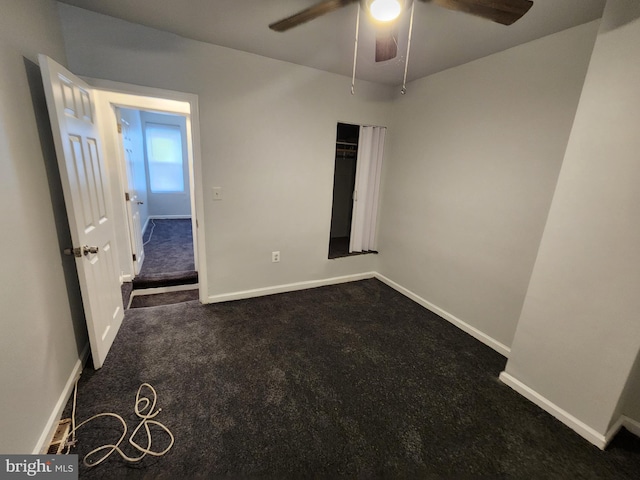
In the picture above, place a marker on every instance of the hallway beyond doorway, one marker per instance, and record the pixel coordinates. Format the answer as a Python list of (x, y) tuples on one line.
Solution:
[(169, 258)]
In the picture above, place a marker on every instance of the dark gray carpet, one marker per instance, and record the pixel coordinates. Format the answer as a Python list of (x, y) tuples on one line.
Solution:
[(168, 255), (353, 380), (126, 288), (141, 301), (170, 248)]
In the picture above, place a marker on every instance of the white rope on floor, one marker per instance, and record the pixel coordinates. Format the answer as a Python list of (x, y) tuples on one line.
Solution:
[(144, 408), (153, 227)]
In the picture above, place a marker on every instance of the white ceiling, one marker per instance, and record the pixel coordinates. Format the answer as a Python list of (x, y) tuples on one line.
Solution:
[(441, 38)]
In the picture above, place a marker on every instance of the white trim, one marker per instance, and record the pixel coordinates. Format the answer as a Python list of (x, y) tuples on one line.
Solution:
[(289, 287), (154, 290), (125, 278), (632, 425), (613, 430), (473, 331), (581, 428), (143, 91), (167, 217), (157, 290), (51, 425)]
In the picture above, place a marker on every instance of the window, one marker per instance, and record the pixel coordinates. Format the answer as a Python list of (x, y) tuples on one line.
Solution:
[(164, 154)]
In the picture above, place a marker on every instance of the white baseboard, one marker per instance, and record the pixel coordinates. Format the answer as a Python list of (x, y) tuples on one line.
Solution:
[(632, 425), (613, 430), (52, 423), (474, 332), (289, 287), (168, 217), (126, 277), (585, 431)]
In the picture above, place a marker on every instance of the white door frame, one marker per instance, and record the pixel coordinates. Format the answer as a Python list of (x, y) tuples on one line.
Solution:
[(110, 94)]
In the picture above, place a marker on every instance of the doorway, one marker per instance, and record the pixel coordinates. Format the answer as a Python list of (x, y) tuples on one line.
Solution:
[(86, 134), (356, 187), (159, 207), (157, 230), (344, 179)]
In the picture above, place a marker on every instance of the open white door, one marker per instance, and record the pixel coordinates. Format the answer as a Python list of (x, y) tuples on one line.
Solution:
[(132, 197), (86, 193)]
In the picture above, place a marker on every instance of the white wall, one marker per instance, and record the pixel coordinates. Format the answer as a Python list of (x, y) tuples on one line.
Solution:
[(472, 158), (268, 139), (169, 204), (43, 330), (579, 334)]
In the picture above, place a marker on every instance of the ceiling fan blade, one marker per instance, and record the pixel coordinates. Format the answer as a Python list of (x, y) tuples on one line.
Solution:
[(386, 43), (314, 11), (505, 12)]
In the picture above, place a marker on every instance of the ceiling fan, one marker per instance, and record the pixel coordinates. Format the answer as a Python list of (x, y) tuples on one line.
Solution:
[(384, 12)]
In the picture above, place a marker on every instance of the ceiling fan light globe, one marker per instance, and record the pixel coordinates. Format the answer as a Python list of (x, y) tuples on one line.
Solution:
[(385, 10)]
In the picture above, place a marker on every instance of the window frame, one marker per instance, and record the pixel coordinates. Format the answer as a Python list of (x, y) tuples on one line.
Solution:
[(149, 157)]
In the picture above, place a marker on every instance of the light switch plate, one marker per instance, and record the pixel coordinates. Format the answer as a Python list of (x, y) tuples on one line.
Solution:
[(217, 193)]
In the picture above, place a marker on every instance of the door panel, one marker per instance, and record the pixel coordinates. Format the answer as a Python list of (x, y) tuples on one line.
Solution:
[(133, 205), (88, 202)]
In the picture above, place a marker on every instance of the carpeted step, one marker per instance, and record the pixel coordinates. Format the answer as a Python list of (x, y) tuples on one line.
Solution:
[(154, 280), (169, 298)]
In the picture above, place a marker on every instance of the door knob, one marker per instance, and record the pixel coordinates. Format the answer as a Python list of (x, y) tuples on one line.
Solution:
[(78, 252), (87, 250)]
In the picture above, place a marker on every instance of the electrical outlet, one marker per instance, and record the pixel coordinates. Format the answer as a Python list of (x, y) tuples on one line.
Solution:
[(275, 257)]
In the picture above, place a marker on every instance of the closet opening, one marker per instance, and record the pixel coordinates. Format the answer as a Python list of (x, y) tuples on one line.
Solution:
[(356, 185), (344, 179)]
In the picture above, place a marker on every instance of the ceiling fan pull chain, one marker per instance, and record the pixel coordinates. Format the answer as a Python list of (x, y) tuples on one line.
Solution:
[(406, 60), (355, 53)]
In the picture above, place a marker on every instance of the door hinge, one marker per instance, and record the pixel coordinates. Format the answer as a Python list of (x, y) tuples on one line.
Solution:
[(134, 257), (119, 128), (127, 197)]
